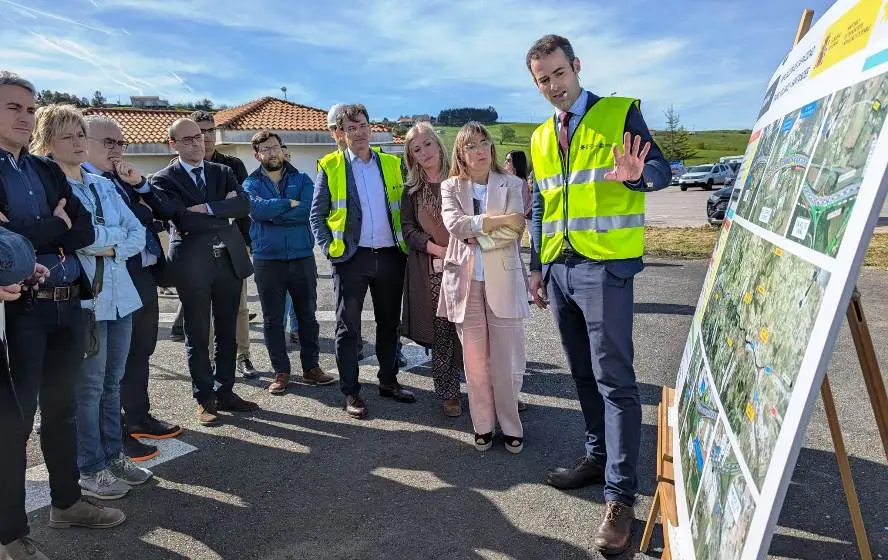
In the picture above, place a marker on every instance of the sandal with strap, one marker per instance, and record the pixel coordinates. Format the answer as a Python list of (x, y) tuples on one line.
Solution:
[(514, 444), (483, 442)]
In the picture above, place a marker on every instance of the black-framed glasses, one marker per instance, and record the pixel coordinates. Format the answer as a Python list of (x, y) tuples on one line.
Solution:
[(209, 130), (190, 140), (111, 143), (270, 150)]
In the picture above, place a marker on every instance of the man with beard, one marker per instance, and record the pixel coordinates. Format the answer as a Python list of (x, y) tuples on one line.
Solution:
[(283, 257)]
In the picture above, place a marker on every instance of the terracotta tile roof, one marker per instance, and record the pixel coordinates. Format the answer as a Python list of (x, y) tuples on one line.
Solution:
[(151, 126), (141, 126), (276, 114)]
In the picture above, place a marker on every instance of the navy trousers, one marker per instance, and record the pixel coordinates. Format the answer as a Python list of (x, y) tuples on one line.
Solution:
[(593, 307)]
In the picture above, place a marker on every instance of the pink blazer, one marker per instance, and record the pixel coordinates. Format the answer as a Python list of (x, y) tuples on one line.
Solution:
[(505, 278)]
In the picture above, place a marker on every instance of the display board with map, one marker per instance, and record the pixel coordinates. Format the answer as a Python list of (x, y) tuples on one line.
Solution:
[(804, 207)]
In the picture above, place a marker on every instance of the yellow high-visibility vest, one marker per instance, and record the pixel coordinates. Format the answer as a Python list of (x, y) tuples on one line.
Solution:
[(333, 165), (601, 220)]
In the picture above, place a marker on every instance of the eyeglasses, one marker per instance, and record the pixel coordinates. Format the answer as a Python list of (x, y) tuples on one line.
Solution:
[(190, 140), (482, 146), (270, 150), (111, 143), (209, 130)]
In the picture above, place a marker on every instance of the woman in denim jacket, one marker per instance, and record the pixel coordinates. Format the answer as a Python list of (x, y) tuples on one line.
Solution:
[(105, 472)]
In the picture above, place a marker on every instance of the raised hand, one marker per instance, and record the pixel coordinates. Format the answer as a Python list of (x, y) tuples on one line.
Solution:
[(629, 165), (127, 173)]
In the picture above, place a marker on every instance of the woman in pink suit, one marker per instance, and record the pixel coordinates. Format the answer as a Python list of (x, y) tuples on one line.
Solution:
[(483, 288)]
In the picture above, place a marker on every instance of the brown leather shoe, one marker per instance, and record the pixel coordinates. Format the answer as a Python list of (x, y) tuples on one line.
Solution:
[(207, 415), (279, 385), (355, 406), (317, 376), (615, 532), (452, 407), (584, 473), (397, 392)]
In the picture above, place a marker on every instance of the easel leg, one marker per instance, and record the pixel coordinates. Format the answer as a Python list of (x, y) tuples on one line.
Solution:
[(651, 520), (875, 385), (845, 470)]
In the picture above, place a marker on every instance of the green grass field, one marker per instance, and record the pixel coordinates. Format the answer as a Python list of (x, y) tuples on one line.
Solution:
[(710, 144)]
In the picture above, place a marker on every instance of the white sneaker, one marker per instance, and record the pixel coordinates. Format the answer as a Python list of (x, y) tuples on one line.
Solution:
[(127, 471), (103, 485)]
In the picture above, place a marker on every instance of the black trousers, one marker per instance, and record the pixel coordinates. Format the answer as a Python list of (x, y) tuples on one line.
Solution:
[(299, 278), (382, 271), (134, 385), (214, 288), (45, 341)]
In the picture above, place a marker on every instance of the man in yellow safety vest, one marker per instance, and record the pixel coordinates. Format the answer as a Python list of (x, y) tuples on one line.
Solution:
[(356, 220), (588, 239)]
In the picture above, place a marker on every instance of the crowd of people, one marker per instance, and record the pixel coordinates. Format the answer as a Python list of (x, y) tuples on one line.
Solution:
[(434, 238)]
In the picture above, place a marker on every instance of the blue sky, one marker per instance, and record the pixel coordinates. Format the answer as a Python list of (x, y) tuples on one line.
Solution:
[(710, 59)]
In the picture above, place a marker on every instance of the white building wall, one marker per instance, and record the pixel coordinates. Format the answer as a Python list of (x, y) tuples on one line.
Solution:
[(304, 157)]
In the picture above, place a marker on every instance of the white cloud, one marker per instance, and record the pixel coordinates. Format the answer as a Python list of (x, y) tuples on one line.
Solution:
[(438, 46)]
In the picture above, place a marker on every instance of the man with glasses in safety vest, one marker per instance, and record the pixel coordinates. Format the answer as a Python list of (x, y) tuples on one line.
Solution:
[(356, 220), (588, 240)]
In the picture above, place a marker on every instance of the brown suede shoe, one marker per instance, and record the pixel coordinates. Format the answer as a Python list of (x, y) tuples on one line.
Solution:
[(452, 407), (207, 415), (317, 376), (615, 532), (85, 514), (279, 386)]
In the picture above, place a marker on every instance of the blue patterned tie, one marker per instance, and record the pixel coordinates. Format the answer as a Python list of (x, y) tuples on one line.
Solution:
[(199, 180)]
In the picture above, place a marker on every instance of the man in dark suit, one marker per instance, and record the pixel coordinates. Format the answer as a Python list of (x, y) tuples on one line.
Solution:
[(207, 126), (106, 147), (208, 262)]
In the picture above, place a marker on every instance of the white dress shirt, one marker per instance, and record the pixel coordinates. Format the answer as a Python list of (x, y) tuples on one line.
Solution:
[(376, 230)]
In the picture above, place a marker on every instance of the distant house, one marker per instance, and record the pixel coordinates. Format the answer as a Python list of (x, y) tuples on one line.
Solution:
[(148, 102), (302, 128)]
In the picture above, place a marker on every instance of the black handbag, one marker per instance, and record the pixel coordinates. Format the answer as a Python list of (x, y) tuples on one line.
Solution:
[(92, 327)]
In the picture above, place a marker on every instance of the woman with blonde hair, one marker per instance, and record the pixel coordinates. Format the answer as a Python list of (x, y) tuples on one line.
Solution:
[(484, 285), (105, 471), (427, 239)]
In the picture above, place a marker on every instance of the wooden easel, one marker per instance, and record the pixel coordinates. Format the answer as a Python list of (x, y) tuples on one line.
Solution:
[(663, 504)]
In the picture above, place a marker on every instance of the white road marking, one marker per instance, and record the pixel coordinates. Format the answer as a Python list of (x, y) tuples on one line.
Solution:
[(37, 477), (322, 317)]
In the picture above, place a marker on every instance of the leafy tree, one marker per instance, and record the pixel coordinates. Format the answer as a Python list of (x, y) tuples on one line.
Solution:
[(675, 141), (98, 99), (459, 117), (507, 134), (48, 97)]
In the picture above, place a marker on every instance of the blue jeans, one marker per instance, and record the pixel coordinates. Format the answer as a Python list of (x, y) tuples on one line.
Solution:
[(98, 397), (291, 315), (593, 307)]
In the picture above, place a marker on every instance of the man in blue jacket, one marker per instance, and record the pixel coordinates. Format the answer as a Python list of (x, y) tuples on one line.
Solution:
[(283, 257)]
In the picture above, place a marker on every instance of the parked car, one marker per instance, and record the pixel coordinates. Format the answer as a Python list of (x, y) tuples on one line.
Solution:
[(705, 176), (678, 169), (717, 203)]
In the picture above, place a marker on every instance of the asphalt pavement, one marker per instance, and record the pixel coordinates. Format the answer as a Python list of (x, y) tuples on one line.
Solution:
[(300, 480)]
